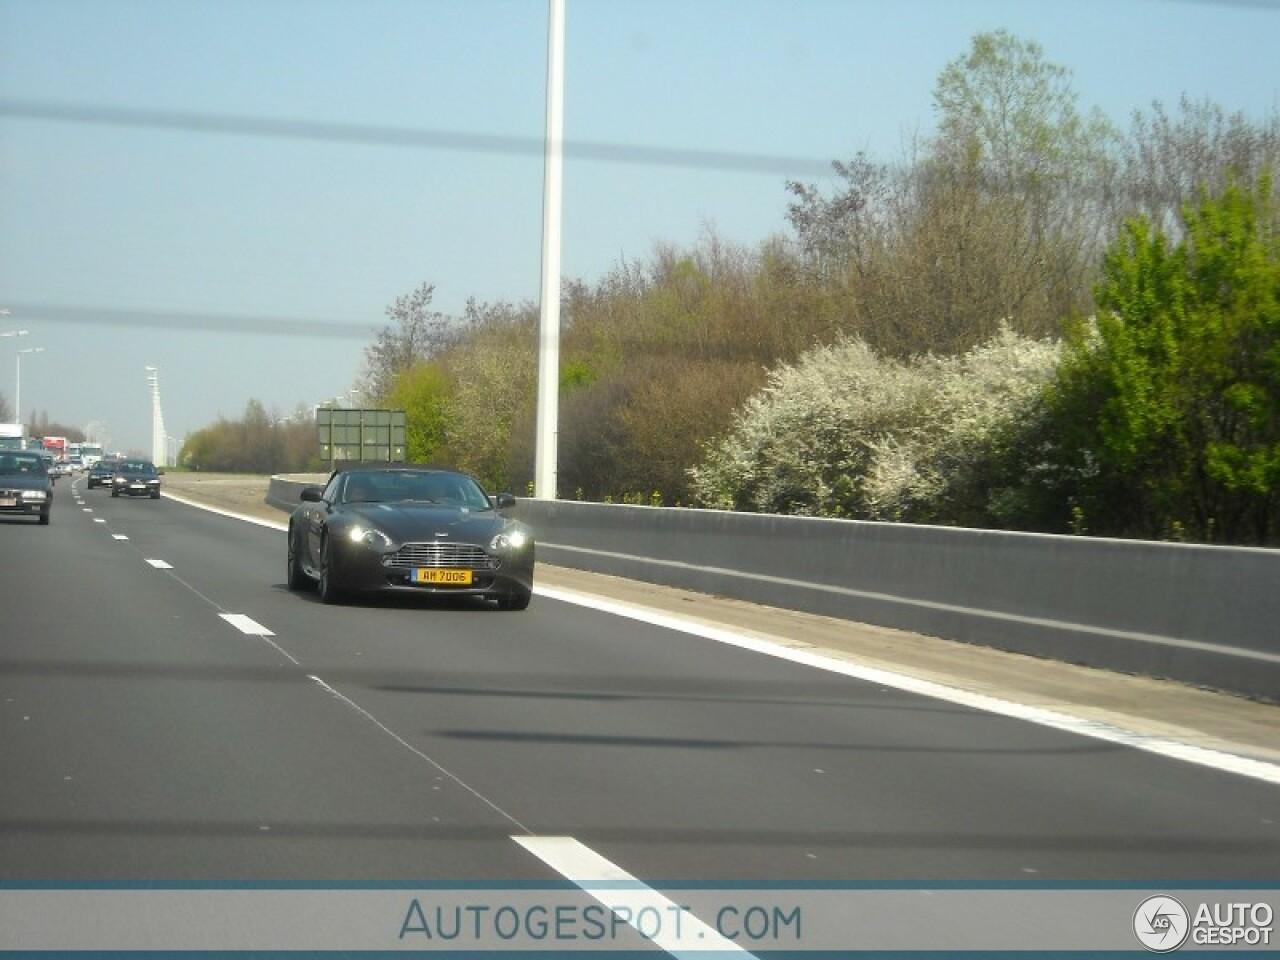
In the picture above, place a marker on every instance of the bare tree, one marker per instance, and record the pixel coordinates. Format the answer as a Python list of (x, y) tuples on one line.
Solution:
[(1167, 160), (416, 333)]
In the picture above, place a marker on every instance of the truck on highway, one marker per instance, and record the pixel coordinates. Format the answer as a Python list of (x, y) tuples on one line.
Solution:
[(90, 453), (13, 436)]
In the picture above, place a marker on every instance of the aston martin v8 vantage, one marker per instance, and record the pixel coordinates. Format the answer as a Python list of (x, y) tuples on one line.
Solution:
[(397, 528)]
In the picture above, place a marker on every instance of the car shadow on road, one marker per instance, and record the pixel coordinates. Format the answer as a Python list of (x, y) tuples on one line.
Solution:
[(398, 601)]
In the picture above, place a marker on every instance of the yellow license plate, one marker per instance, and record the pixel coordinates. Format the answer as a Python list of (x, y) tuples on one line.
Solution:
[(449, 578)]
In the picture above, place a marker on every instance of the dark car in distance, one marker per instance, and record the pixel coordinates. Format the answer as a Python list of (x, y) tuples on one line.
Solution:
[(100, 474), (409, 529), (26, 489), (135, 478)]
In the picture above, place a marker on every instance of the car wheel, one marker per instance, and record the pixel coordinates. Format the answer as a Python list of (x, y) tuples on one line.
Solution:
[(156, 495), (515, 600), (296, 579), (328, 592), (115, 492), (44, 518)]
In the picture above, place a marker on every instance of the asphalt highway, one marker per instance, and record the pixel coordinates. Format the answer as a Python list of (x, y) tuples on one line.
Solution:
[(170, 712)]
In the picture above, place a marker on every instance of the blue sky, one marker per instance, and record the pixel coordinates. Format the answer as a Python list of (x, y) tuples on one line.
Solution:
[(234, 191)]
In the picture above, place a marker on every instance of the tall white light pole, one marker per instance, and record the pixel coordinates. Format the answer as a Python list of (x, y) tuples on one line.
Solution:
[(12, 333), (17, 381), (549, 330), (159, 451)]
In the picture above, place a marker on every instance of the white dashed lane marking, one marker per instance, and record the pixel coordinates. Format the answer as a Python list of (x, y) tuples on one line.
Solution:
[(615, 888), (246, 624)]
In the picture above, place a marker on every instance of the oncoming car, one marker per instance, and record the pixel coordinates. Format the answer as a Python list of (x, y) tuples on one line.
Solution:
[(100, 474), (136, 478), (406, 529), (26, 488)]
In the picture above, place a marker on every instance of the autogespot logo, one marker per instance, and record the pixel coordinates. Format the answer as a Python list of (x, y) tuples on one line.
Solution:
[(1161, 924)]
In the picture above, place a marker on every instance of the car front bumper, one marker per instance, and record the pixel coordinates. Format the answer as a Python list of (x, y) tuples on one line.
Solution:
[(18, 505), (137, 489), (361, 570)]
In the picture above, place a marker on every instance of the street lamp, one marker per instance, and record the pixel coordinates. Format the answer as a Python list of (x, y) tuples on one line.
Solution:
[(17, 381), (11, 333)]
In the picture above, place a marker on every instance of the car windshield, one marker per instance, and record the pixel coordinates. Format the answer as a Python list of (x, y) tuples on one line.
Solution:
[(15, 464), (136, 466), (387, 486)]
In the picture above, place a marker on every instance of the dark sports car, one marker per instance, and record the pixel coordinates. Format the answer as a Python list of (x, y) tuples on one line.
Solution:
[(400, 528), (25, 485)]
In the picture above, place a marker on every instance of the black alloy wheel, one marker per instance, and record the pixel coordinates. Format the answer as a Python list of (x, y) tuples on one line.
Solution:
[(328, 592)]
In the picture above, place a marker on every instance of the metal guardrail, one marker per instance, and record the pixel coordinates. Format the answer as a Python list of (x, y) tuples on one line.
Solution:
[(1197, 614)]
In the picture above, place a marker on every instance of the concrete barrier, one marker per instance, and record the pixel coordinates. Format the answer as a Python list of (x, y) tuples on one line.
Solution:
[(1198, 614)]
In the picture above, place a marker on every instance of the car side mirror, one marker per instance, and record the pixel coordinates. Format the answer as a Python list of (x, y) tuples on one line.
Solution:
[(311, 494), (504, 501)]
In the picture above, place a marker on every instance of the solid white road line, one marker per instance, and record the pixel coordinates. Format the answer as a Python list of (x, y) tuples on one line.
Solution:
[(272, 524), (1111, 733)]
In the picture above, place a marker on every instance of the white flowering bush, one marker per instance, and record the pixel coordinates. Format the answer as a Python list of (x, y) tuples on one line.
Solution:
[(843, 432)]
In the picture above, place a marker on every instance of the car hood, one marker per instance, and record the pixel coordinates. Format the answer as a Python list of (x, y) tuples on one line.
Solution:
[(408, 521)]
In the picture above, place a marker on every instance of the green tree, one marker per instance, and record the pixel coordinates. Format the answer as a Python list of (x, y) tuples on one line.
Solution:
[(493, 373), (1011, 116), (997, 218), (425, 394), (1167, 409)]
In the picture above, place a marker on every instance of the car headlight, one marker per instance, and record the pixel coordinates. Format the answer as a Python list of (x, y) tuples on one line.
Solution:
[(369, 536), (35, 495), (118, 480), (510, 541)]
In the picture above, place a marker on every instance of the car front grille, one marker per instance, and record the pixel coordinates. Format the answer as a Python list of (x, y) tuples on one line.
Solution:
[(436, 554)]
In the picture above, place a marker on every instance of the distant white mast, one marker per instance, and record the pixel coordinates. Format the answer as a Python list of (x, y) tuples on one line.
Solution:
[(159, 440)]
